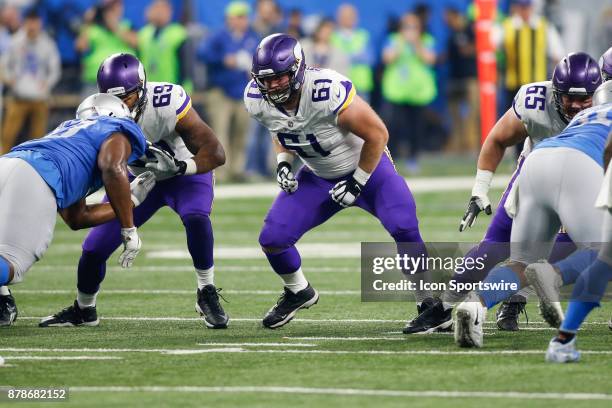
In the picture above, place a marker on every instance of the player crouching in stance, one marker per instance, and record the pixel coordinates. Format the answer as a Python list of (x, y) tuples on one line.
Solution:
[(54, 174), (560, 179), (316, 114), (185, 152), (592, 282), (547, 279)]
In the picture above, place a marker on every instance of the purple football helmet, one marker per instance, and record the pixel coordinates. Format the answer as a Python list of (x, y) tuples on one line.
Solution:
[(276, 55), (605, 64), (577, 74), (121, 75)]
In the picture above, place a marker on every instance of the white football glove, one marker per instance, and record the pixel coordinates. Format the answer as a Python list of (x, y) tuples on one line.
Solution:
[(165, 165), (141, 186), (131, 246), (479, 200), (346, 192), (285, 179)]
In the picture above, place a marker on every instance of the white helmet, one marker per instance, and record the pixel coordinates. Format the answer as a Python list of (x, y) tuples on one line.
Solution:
[(102, 104), (603, 94)]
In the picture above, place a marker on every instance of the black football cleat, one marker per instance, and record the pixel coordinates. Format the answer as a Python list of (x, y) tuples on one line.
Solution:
[(208, 306), (72, 316), (287, 306), (8, 310), (507, 315), (432, 318)]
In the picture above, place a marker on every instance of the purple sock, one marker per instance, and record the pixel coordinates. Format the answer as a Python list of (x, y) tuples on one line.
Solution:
[(286, 261), (200, 240)]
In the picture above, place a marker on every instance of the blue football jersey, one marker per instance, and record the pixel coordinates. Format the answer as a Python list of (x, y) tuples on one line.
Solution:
[(587, 132), (67, 158)]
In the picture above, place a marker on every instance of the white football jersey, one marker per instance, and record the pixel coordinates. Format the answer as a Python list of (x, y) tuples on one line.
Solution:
[(534, 105), (166, 105), (313, 132)]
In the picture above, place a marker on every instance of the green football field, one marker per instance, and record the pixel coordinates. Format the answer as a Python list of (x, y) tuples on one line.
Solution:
[(151, 348)]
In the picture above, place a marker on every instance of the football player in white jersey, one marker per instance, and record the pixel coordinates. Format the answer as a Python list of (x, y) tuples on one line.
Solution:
[(540, 110), (316, 115), (185, 152)]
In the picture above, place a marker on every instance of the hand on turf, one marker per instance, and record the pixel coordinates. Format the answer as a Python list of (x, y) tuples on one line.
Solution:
[(141, 186), (285, 179), (165, 165), (131, 246), (346, 192), (475, 206)]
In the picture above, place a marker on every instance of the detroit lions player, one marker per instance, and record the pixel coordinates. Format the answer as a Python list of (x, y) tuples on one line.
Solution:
[(316, 115), (592, 282), (540, 110), (560, 179), (547, 278), (185, 184), (42, 177)]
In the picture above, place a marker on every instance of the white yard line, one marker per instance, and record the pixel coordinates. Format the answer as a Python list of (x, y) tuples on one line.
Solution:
[(416, 184), (252, 344), (220, 269), (307, 250), (353, 392), (292, 351), (61, 358)]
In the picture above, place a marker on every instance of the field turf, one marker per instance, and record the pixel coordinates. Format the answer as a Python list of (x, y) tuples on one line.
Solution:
[(151, 348)]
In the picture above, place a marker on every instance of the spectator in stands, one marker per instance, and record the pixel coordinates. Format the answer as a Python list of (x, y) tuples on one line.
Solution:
[(355, 42), (408, 85), (531, 47), (104, 33), (463, 97), (31, 67), (228, 54), (162, 46), (10, 21), (268, 20), (294, 24), (320, 52), (63, 20)]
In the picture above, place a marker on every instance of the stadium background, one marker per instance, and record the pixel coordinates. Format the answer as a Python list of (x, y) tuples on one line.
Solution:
[(151, 348)]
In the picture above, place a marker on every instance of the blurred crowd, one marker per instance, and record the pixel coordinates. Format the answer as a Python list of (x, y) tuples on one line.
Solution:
[(426, 92)]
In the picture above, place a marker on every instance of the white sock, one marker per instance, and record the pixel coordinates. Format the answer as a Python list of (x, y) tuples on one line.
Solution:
[(205, 276), (4, 291), (86, 300), (295, 281)]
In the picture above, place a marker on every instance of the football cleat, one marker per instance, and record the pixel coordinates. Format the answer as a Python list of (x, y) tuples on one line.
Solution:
[(562, 353), (470, 318), (610, 323), (287, 306), (546, 282), (209, 307), (432, 317), (72, 316), (507, 315), (8, 310)]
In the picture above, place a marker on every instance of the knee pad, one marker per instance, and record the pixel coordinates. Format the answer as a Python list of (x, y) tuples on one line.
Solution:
[(273, 236), (196, 220)]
